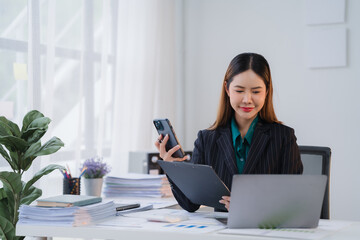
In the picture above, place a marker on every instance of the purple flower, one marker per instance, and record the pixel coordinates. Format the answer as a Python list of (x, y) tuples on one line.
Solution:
[(96, 168)]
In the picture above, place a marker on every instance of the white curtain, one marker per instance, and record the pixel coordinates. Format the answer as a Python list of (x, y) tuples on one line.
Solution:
[(101, 70), (145, 75)]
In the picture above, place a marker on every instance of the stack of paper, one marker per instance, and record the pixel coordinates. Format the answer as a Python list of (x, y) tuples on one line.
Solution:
[(137, 185), (66, 216), (68, 200)]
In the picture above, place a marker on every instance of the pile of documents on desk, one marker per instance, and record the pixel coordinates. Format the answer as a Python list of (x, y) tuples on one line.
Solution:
[(66, 216), (137, 185)]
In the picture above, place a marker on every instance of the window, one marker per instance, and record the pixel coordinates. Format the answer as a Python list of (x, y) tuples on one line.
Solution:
[(101, 70)]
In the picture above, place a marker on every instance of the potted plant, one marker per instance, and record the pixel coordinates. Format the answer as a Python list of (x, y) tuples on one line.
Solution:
[(20, 148), (94, 171)]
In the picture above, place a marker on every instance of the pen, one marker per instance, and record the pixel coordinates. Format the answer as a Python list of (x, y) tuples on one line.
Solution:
[(83, 171), (63, 173), (69, 170), (123, 207)]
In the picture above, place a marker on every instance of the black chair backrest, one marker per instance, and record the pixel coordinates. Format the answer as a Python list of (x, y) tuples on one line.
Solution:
[(316, 160), (154, 167)]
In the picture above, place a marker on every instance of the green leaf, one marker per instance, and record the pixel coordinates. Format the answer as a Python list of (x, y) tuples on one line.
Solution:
[(12, 186), (4, 209), (7, 157), (7, 229), (11, 181), (51, 146), (27, 163), (30, 195), (2, 194), (15, 160), (46, 170), (29, 155), (35, 135), (36, 129), (35, 150), (32, 150), (4, 205), (14, 129), (14, 143), (11, 200), (4, 130), (29, 118)]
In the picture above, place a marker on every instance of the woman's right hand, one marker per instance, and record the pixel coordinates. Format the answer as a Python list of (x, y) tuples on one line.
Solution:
[(160, 144), (226, 201)]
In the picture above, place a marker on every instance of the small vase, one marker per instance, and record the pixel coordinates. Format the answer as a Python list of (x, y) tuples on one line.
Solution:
[(93, 186)]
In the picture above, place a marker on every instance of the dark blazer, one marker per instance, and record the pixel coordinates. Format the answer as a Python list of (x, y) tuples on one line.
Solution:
[(273, 150)]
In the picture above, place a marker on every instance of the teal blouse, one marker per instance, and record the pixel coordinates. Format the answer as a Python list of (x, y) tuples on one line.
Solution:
[(242, 145)]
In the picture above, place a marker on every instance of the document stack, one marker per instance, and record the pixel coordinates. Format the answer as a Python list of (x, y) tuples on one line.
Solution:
[(137, 185), (66, 216)]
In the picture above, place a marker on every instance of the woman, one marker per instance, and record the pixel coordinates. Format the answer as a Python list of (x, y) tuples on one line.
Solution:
[(246, 137)]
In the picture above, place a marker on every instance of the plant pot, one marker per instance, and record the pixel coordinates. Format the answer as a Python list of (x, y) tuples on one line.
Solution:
[(93, 186)]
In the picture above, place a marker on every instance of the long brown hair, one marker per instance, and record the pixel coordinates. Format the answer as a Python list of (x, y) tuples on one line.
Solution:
[(239, 64)]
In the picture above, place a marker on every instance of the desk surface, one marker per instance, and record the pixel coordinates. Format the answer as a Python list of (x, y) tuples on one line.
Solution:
[(351, 232)]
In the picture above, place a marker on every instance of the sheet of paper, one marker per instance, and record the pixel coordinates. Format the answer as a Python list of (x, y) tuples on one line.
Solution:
[(333, 225), (324, 11), (157, 203), (7, 109), (123, 222), (325, 228), (204, 221), (161, 215), (326, 47), (20, 71), (134, 176), (162, 203), (189, 226)]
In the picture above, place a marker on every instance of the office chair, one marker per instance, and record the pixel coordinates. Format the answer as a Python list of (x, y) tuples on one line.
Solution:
[(316, 160), (153, 167)]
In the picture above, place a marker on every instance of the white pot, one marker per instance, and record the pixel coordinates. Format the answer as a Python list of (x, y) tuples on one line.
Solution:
[(93, 186)]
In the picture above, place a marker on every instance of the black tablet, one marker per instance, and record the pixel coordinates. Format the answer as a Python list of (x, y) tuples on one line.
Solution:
[(200, 184)]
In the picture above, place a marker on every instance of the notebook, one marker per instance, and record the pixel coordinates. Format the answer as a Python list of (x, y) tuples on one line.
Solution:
[(68, 200), (200, 184), (276, 201)]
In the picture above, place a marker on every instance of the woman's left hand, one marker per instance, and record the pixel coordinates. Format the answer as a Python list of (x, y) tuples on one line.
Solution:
[(226, 201), (160, 144)]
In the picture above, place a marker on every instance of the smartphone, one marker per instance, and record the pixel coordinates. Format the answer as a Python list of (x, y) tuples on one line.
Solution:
[(163, 126), (123, 207)]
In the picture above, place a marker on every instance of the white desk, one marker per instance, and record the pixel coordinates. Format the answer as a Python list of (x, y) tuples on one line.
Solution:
[(351, 232)]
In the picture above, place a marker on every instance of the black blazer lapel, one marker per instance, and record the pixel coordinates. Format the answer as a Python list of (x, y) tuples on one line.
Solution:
[(258, 144), (226, 149)]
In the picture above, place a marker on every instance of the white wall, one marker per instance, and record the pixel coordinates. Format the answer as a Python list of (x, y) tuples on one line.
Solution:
[(321, 104)]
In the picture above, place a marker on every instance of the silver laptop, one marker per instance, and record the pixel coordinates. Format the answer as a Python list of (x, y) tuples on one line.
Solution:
[(276, 201)]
